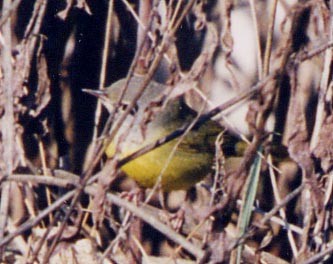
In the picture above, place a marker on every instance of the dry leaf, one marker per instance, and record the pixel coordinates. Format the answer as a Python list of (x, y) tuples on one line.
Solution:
[(324, 149)]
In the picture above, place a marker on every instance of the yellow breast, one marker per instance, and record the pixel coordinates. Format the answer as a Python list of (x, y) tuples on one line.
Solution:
[(174, 169)]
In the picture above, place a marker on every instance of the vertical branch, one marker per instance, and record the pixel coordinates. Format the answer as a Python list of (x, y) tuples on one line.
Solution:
[(142, 41), (145, 8), (7, 126), (256, 30), (107, 39)]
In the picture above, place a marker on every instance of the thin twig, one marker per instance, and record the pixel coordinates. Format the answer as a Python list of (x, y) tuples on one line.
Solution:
[(45, 171), (307, 55), (257, 37), (43, 179), (269, 39), (106, 47)]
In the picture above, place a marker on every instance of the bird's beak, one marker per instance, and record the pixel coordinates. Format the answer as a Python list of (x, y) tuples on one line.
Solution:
[(100, 95), (96, 93)]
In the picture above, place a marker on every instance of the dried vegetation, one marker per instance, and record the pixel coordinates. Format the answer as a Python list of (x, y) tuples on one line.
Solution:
[(265, 65)]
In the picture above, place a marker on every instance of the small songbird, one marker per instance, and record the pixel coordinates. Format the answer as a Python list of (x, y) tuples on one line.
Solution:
[(180, 163)]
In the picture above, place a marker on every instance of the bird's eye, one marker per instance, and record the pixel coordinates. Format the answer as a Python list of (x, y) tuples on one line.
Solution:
[(123, 106)]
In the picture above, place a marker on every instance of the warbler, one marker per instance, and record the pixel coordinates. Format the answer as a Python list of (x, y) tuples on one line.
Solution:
[(178, 164)]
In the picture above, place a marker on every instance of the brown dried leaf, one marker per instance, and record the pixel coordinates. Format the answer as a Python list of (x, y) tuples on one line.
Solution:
[(189, 84), (205, 58), (324, 149), (298, 142), (22, 68), (42, 95), (251, 116), (227, 39), (18, 209)]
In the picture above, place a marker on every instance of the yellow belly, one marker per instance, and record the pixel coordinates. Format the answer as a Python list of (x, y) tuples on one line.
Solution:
[(176, 170)]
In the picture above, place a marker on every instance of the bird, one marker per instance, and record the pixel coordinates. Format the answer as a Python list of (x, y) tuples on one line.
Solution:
[(175, 165)]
